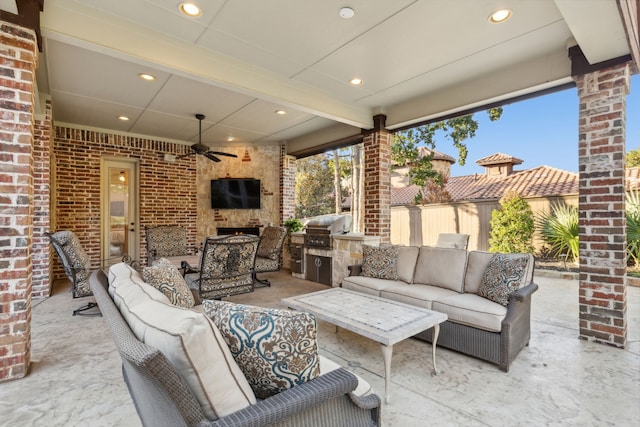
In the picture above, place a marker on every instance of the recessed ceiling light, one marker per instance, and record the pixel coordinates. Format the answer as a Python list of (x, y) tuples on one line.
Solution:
[(147, 77), (281, 112), (499, 16), (356, 81), (123, 118), (190, 9), (230, 138), (346, 13)]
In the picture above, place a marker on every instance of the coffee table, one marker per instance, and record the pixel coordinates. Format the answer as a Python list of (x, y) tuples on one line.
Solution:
[(382, 320)]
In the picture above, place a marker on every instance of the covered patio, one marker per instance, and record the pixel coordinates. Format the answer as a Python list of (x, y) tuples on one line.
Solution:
[(71, 68), (556, 380)]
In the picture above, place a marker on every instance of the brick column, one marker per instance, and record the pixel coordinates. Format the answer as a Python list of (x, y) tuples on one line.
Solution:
[(377, 181), (602, 226), (42, 253), (18, 54), (287, 185)]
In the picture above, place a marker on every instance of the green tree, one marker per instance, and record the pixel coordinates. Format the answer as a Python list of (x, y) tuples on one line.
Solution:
[(633, 158), (314, 186), (512, 226), (458, 130)]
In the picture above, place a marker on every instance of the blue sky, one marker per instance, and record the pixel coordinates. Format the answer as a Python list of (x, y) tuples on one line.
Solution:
[(540, 131)]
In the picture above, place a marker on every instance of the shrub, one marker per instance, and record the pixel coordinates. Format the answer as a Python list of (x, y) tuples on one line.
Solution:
[(512, 226), (633, 227), (559, 229)]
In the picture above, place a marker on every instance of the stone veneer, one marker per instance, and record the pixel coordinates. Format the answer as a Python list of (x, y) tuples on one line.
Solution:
[(260, 162)]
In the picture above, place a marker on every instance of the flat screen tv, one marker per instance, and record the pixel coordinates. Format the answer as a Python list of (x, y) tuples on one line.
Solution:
[(235, 193)]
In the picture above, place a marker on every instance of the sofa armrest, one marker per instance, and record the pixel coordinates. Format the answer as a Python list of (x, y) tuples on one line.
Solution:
[(523, 293), (302, 398), (355, 269)]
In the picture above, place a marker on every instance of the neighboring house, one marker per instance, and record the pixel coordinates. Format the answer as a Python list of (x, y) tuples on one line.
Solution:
[(473, 197), (498, 179)]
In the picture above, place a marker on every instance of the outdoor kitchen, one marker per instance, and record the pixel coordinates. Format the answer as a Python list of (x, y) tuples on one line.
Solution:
[(323, 251)]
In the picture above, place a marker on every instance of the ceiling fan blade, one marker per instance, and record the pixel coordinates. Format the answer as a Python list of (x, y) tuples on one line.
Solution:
[(220, 153), (210, 156)]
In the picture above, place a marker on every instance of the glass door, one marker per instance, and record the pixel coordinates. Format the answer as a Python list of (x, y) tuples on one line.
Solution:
[(119, 211)]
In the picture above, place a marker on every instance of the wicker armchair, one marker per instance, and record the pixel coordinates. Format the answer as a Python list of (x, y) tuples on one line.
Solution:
[(226, 267), (269, 254), (77, 266), (163, 398), (167, 241)]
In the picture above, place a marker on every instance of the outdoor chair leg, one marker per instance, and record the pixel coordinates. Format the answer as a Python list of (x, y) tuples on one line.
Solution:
[(259, 283), (80, 311)]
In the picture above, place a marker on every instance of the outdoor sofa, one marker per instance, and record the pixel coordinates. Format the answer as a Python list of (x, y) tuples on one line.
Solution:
[(486, 296), (194, 380)]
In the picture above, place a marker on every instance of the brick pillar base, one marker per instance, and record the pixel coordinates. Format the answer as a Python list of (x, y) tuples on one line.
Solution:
[(602, 226), (377, 181), (19, 55)]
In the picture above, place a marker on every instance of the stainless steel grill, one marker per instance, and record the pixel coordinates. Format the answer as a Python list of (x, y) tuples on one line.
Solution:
[(319, 230)]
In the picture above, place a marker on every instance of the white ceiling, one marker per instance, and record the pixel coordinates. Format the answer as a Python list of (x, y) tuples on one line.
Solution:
[(244, 59)]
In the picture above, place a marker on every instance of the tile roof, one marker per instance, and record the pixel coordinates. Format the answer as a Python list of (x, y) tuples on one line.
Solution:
[(537, 182), (498, 159)]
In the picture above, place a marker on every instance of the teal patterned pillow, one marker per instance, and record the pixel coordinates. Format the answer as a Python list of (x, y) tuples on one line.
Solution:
[(163, 276), (380, 262), (502, 276), (275, 349)]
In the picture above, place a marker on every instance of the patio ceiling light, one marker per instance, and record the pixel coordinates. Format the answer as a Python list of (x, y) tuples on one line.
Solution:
[(123, 118), (190, 9), (356, 81), (147, 77), (281, 112), (500, 16)]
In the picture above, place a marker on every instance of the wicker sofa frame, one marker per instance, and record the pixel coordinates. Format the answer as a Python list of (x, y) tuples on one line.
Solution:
[(162, 398)]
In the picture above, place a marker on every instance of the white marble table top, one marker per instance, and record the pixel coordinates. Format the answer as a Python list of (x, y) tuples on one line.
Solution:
[(379, 319)]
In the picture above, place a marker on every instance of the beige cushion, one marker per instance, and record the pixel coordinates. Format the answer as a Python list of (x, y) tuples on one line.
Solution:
[(193, 345), (163, 276), (477, 262), (418, 295), (443, 267), (275, 349), (328, 365), (472, 310), (407, 257), (123, 273), (368, 285)]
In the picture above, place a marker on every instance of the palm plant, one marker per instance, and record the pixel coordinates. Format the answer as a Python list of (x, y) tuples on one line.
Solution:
[(559, 229), (633, 226)]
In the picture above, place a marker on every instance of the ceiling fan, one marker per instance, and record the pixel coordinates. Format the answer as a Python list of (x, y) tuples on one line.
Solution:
[(202, 149)]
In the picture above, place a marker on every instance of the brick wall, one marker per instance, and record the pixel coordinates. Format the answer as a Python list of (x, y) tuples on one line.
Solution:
[(377, 184), (167, 190), (18, 54), (42, 255), (602, 221)]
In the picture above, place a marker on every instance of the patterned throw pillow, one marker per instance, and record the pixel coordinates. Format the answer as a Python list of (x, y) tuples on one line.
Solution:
[(275, 349), (380, 262), (502, 276), (167, 279)]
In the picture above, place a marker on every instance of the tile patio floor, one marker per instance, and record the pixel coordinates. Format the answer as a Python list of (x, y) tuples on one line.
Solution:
[(559, 380)]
